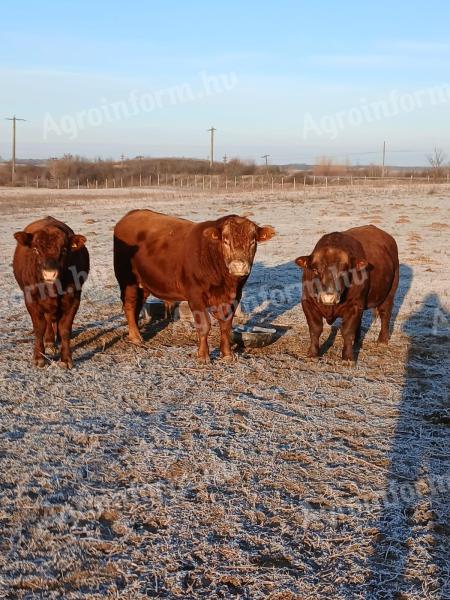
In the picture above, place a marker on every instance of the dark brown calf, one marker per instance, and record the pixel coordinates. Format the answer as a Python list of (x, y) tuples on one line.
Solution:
[(51, 264), (347, 273), (174, 259)]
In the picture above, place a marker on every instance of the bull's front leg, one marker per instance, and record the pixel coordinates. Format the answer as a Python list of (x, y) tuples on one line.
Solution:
[(39, 325), (315, 325), (351, 325), (69, 309), (202, 325), (225, 316)]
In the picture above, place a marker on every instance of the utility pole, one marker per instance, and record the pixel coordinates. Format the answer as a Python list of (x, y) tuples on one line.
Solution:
[(140, 157), (266, 156), (13, 170), (384, 159), (211, 156)]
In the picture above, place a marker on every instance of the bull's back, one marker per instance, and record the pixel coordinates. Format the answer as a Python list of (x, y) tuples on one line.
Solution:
[(45, 222), (149, 248), (381, 252)]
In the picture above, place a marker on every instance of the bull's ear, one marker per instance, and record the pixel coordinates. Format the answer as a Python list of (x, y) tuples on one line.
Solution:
[(212, 233), (23, 238), (76, 242), (303, 261), (361, 264), (265, 233)]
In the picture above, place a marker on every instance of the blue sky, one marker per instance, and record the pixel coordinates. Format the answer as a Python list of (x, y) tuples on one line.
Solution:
[(296, 80)]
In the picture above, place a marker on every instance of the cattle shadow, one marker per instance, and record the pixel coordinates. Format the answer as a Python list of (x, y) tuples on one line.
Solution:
[(270, 292), (369, 318), (414, 516), (98, 328), (148, 329)]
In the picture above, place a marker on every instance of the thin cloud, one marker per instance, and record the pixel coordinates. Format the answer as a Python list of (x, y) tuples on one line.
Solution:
[(418, 47)]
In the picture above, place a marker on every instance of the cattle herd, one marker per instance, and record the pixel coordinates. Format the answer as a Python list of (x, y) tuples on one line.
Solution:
[(206, 264)]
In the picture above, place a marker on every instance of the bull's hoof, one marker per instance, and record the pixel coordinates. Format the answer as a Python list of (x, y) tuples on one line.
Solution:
[(348, 362), (203, 360), (383, 341), (39, 362), (136, 341), (229, 357), (66, 364), (312, 358)]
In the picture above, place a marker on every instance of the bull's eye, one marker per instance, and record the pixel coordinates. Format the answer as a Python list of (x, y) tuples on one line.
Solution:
[(35, 250), (253, 243), (226, 242)]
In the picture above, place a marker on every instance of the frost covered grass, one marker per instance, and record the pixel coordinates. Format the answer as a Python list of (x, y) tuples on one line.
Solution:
[(142, 474)]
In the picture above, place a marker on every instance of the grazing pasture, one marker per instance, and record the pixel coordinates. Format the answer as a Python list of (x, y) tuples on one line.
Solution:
[(141, 473)]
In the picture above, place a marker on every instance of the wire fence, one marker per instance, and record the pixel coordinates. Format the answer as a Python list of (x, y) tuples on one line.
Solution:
[(223, 182)]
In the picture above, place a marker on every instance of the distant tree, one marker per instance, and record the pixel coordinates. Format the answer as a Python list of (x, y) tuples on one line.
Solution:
[(437, 160)]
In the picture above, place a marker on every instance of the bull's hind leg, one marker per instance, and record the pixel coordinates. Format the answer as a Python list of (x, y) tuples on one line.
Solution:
[(133, 300), (385, 312), (70, 306)]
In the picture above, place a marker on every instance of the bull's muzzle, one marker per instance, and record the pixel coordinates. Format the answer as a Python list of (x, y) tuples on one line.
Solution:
[(239, 268), (329, 298), (50, 275)]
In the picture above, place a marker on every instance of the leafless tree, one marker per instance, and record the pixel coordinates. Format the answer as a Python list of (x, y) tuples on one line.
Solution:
[(437, 160)]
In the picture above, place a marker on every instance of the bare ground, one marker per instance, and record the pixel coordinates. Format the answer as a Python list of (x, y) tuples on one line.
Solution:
[(142, 474)]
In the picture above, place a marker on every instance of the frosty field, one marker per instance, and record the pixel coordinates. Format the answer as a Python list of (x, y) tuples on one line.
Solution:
[(143, 474)]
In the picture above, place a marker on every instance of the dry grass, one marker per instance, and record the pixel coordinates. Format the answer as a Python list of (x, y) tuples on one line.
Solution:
[(141, 474)]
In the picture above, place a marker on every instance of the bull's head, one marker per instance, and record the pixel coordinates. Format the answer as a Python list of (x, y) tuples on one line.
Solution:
[(334, 270), (238, 238), (52, 248)]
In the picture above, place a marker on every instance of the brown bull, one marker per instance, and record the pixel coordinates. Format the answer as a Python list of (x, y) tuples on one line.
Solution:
[(346, 273), (206, 264), (50, 265)]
